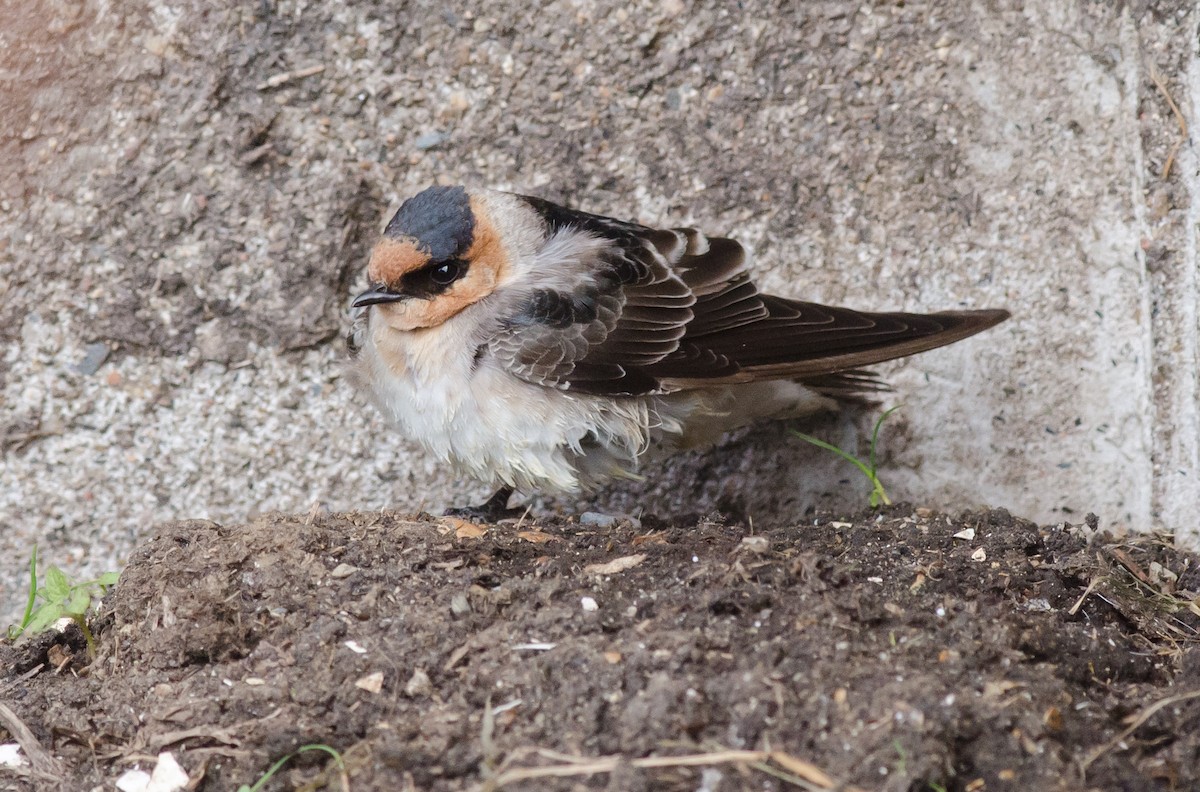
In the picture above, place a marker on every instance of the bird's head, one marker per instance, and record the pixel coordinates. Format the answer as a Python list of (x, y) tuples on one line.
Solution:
[(442, 252)]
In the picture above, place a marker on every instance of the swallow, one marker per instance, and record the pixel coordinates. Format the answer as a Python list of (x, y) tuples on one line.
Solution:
[(537, 347)]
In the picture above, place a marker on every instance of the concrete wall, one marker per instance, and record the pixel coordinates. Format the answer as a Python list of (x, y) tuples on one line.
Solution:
[(187, 192)]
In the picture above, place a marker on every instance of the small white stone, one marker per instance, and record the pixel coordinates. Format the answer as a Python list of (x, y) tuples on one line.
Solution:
[(134, 781), (418, 684), (10, 755), (534, 646), (756, 544), (168, 776), (372, 683), (597, 520), (589, 604)]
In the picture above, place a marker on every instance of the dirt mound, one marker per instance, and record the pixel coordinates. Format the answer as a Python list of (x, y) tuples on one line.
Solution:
[(900, 651)]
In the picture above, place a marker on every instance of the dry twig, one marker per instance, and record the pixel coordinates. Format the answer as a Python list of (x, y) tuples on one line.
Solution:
[(1136, 724), (1183, 130), (787, 768), (276, 80), (1091, 586)]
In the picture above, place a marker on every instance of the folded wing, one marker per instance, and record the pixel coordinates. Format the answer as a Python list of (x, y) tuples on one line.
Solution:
[(668, 310)]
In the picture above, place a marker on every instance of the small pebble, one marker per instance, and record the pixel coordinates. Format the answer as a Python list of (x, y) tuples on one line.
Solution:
[(430, 140), (756, 544), (589, 604), (94, 356), (10, 755), (598, 520), (418, 684), (372, 683)]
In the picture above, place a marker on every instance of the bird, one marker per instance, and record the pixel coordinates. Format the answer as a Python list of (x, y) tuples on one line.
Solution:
[(536, 347)]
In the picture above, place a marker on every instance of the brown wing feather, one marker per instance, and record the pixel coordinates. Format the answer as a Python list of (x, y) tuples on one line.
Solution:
[(682, 312), (738, 334), (804, 340), (816, 337)]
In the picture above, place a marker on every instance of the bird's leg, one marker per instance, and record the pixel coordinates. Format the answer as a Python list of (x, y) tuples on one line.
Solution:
[(493, 509)]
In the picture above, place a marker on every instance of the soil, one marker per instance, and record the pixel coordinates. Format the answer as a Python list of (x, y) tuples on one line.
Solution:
[(900, 650)]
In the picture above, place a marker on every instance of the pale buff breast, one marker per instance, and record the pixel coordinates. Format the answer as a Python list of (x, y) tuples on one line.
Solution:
[(492, 425)]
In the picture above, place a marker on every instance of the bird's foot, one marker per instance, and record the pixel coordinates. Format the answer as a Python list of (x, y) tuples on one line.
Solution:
[(492, 510)]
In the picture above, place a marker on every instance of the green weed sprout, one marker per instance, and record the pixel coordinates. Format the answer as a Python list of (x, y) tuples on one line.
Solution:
[(60, 597), (878, 495), (273, 769)]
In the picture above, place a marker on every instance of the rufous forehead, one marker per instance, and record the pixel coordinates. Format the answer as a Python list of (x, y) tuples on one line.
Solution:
[(392, 259)]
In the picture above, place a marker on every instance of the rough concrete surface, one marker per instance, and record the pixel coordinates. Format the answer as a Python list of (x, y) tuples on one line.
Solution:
[(187, 192)]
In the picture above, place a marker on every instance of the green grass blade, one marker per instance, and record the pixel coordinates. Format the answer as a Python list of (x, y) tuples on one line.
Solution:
[(31, 599), (273, 769), (875, 439), (868, 469), (858, 463), (337, 757)]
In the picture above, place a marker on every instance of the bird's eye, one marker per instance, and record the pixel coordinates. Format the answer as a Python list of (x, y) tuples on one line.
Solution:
[(445, 273), (434, 278)]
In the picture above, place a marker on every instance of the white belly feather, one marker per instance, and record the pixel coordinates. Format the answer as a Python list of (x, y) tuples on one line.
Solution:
[(498, 428), (490, 424)]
